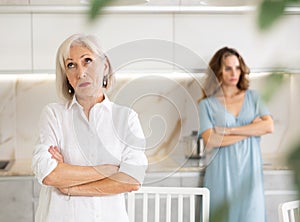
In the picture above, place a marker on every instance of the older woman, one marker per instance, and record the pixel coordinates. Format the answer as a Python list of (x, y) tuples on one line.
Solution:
[(232, 120), (90, 150)]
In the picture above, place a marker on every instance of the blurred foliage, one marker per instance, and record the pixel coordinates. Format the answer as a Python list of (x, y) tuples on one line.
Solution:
[(270, 11), (221, 213), (294, 163), (96, 6), (273, 83)]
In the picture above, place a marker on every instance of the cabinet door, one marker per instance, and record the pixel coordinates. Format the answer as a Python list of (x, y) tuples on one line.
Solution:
[(15, 42), (16, 201), (279, 188), (114, 31)]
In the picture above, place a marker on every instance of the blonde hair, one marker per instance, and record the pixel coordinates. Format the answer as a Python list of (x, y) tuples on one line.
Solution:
[(64, 89)]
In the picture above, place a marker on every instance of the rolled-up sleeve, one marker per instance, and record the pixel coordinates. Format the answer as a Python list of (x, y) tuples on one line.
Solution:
[(42, 163), (134, 161)]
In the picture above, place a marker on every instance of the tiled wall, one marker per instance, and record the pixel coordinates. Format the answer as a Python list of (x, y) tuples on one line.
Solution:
[(166, 103)]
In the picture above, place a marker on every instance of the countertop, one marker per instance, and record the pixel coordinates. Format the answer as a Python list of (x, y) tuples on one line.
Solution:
[(179, 164)]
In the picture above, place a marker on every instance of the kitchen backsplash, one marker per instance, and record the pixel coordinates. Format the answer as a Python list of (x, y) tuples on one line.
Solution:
[(167, 104)]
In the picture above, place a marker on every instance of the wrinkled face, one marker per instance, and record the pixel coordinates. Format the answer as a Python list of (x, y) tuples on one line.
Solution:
[(231, 71), (85, 71)]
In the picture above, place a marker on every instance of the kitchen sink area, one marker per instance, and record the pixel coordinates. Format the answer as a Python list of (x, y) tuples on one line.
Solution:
[(5, 165)]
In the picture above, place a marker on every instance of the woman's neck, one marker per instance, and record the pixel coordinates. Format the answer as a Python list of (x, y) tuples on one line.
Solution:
[(88, 102), (230, 92)]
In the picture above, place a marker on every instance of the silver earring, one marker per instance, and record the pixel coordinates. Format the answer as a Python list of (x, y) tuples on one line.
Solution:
[(70, 91), (104, 84)]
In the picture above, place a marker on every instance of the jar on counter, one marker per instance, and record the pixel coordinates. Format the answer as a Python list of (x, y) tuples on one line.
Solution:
[(193, 146)]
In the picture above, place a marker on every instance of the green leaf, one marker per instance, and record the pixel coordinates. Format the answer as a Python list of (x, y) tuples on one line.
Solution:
[(269, 12), (273, 83), (294, 162), (293, 1), (96, 6)]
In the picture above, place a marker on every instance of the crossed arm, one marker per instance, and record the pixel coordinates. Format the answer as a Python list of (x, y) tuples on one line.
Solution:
[(88, 180), (223, 136)]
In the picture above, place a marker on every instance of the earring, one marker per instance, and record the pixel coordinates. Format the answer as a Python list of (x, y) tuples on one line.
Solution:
[(104, 84), (70, 91)]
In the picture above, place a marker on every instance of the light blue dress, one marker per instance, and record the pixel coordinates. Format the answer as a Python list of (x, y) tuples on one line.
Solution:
[(234, 173)]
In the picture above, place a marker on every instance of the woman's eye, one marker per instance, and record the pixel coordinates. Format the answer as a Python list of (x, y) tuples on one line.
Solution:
[(88, 60), (70, 65)]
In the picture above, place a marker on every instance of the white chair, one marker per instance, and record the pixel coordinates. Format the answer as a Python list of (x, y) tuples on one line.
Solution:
[(147, 203), (289, 211)]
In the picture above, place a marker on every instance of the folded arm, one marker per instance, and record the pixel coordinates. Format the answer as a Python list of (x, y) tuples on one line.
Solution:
[(65, 175), (259, 126), (213, 139), (222, 136), (115, 184), (88, 181)]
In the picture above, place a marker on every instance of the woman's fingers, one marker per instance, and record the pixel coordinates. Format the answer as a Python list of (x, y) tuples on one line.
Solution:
[(54, 151)]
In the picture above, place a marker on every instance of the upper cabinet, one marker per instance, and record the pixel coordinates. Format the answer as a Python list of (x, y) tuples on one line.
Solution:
[(120, 34), (15, 44), (147, 34), (206, 33)]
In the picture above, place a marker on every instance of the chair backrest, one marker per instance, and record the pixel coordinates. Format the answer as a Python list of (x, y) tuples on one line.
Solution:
[(148, 204), (289, 211)]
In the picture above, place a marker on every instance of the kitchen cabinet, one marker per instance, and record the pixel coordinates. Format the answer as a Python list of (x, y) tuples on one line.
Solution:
[(19, 194), (114, 31), (15, 42), (279, 188), (251, 42), (16, 203)]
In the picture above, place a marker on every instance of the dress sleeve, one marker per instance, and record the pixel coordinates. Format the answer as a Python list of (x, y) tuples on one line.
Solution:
[(42, 163), (206, 121), (260, 106), (134, 161)]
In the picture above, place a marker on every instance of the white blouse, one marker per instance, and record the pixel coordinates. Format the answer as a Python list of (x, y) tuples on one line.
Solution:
[(112, 135)]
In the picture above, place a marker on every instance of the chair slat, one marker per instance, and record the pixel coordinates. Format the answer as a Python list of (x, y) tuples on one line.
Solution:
[(288, 211), (168, 208), (180, 208), (168, 193), (157, 207), (145, 207), (192, 208)]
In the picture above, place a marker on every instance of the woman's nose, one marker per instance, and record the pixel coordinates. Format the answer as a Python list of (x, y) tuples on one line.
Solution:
[(81, 72), (234, 72)]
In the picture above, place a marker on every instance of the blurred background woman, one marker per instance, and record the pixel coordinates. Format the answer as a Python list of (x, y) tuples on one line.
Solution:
[(232, 120)]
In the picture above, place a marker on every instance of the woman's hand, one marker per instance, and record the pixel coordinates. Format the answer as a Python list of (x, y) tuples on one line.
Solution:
[(63, 190), (257, 119), (54, 151)]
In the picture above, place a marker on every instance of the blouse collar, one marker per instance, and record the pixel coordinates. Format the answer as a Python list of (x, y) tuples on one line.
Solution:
[(104, 103)]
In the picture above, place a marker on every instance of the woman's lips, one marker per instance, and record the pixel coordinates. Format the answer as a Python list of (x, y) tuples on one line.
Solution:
[(84, 84)]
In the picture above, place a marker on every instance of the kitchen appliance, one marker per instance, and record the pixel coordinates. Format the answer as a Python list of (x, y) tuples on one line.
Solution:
[(193, 146)]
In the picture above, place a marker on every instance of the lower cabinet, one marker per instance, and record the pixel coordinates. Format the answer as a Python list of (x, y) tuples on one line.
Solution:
[(19, 195), (279, 188), (16, 200)]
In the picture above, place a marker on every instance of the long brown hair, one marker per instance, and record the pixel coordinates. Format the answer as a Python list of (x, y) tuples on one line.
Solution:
[(214, 72)]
